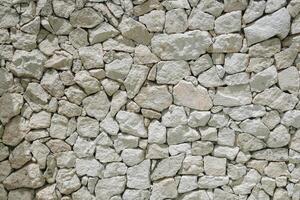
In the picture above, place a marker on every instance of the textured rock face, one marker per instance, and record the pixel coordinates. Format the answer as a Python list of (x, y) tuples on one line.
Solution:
[(149, 99)]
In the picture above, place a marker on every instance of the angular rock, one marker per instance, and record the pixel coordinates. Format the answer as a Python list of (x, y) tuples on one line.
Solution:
[(84, 147), (106, 154), (154, 97), (91, 56), (135, 79), (156, 132), (10, 106), (29, 176), (164, 189), (275, 24), (227, 43), (254, 10), (104, 191), (181, 134), (15, 130), (87, 82), (68, 109), (255, 127), (201, 148), (52, 83), (138, 176), (40, 153), (230, 96), (9, 17), (131, 123), (23, 62), (289, 80), (210, 182), (67, 181), (176, 21), (96, 105), (154, 20), (245, 112), (279, 137), (264, 79), (78, 38), (60, 61), (169, 47), (63, 8), (198, 118), (87, 127), (166, 73), (119, 68), (58, 127), (200, 20), (102, 32), (267, 48), (186, 94), (86, 18), (249, 181), (134, 30), (88, 166), (285, 58), (214, 166), (228, 23), (167, 167), (236, 62)]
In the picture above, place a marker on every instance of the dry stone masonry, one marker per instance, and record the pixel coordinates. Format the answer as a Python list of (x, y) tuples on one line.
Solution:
[(149, 99)]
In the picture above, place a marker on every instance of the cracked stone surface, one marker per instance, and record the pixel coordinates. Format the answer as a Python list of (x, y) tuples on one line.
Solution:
[(149, 100)]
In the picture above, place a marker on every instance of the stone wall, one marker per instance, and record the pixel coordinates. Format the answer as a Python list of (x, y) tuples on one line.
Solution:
[(149, 99)]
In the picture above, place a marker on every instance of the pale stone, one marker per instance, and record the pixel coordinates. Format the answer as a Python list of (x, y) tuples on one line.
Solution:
[(23, 40), (63, 8), (279, 137), (134, 30), (154, 20), (104, 191), (156, 132), (110, 125), (186, 94), (91, 56), (210, 78), (255, 127), (248, 142), (15, 130), (226, 152), (167, 75), (198, 118), (181, 134), (49, 45), (20, 155), (154, 97), (82, 193), (52, 83), (273, 5), (254, 10), (237, 79), (232, 5), (7, 80), (236, 171), (40, 153), (245, 112), (58, 127), (291, 118), (87, 82), (214, 166), (67, 181), (175, 116), (210, 182), (285, 58), (236, 62), (102, 32), (143, 55), (167, 167), (114, 169), (29, 176), (75, 94), (138, 176), (266, 48), (87, 127), (5, 170), (169, 47), (9, 17), (226, 136), (201, 148), (68, 109), (46, 193), (295, 25), (264, 79), (135, 79), (271, 119), (289, 80), (227, 43), (60, 61), (276, 169), (84, 147), (230, 96), (66, 159), (86, 18), (157, 151), (228, 23), (88, 166), (96, 105), (164, 189), (274, 98), (208, 133), (23, 62), (187, 184), (200, 20), (203, 63), (10, 106), (57, 25), (249, 181), (25, 194), (171, 4), (106, 154), (132, 157), (119, 68), (135, 194), (275, 24), (176, 21), (212, 7), (131, 123)]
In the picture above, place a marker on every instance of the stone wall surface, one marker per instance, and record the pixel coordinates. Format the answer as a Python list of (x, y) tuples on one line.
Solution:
[(149, 99)]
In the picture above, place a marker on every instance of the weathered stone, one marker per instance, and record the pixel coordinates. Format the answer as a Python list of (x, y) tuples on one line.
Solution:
[(266, 48), (10, 106), (29, 176), (289, 80), (187, 183), (254, 10), (212, 7), (169, 47), (15, 130), (176, 21), (228, 23), (227, 43), (248, 142), (87, 127), (67, 181), (264, 79), (40, 153), (167, 167), (52, 83), (135, 79), (96, 105), (88, 166), (166, 73), (119, 68), (276, 24), (134, 30), (245, 112), (210, 182), (156, 132), (58, 127), (181, 134), (249, 181), (285, 58), (63, 8), (279, 137), (107, 154), (230, 96), (138, 176), (166, 188), (102, 32), (9, 17), (104, 191), (84, 148), (200, 20), (214, 166), (236, 62), (186, 94), (86, 18), (60, 61), (154, 97), (210, 78)]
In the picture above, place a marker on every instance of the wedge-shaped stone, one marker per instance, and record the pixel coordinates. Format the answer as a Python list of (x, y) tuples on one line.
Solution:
[(154, 97), (276, 24), (181, 46), (135, 79), (195, 97), (181, 134), (86, 18), (171, 72)]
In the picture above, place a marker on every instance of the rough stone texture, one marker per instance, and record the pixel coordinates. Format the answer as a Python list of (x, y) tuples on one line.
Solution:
[(149, 99)]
